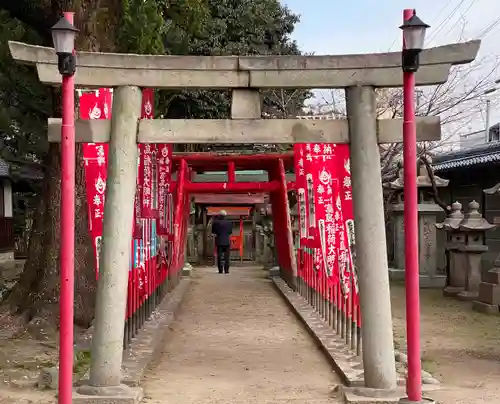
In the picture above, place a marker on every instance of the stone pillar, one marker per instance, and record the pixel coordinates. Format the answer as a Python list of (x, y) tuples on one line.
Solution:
[(245, 104), (475, 227), (107, 339), (371, 259), (200, 230), (427, 217), (266, 223), (455, 261)]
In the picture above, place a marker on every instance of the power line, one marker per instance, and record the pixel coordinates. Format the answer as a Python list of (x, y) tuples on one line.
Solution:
[(489, 28), (462, 16), (440, 11), (445, 22)]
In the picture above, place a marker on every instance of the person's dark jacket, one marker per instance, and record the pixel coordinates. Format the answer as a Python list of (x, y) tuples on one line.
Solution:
[(222, 228)]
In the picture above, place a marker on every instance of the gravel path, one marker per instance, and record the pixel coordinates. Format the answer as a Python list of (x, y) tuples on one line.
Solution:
[(236, 341)]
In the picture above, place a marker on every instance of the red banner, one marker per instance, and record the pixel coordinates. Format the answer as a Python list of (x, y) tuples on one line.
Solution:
[(344, 170), (95, 105), (164, 159), (148, 175), (153, 179), (148, 181), (321, 186), (326, 222)]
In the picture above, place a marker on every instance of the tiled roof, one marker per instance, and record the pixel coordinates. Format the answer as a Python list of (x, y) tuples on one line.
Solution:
[(484, 154), (4, 168)]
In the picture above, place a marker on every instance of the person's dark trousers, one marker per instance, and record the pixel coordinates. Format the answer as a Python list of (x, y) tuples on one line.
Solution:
[(223, 252)]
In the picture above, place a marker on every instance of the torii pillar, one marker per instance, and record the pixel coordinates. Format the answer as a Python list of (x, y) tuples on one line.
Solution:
[(371, 249), (245, 75)]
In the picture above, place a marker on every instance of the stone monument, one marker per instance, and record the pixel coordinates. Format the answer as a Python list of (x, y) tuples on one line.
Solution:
[(455, 257), (427, 217)]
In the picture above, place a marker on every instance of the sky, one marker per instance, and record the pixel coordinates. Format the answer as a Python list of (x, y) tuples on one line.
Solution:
[(367, 26)]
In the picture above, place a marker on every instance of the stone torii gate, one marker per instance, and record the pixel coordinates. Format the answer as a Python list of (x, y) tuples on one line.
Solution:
[(359, 75)]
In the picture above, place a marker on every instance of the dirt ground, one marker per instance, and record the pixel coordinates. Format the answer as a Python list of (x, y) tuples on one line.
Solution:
[(460, 347), (23, 352), (21, 358), (237, 342)]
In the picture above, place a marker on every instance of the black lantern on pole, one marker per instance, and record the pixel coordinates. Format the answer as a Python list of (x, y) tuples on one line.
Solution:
[(63, 36), (414, 35)]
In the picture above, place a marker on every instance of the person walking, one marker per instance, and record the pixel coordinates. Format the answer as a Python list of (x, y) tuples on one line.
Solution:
[(222, 229)]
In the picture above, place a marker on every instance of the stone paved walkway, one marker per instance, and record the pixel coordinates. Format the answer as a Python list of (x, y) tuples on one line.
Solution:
[(236, 341)]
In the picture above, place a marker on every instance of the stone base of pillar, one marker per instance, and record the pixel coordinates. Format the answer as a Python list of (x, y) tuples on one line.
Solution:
[(426, 281), (423, 401), (364, 395), (485, 308), (452, 291), (108, 395), (187, 269), (467, 296), (274, 271)]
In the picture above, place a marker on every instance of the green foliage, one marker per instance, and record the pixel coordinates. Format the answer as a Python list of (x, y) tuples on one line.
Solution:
[(230, 27), (184, 20), (177, 27), (25, 104), (142, 27), (81, 363)]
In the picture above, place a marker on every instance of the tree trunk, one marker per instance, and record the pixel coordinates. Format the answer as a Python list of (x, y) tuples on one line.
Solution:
[(36, 295)]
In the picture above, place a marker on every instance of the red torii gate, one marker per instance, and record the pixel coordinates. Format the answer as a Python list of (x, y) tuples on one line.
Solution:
[(276, 164)]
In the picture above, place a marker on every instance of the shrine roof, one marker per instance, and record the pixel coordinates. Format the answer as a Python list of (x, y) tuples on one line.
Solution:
[(481, 155)]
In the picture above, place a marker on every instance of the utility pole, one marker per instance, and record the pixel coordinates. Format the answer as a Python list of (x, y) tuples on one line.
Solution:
[(488, 112)]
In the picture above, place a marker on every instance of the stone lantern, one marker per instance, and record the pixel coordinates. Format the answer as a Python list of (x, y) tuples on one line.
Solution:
[(428, 211), (294, 218), (267, 247), (488, 301), (474, 226), (455, 258)]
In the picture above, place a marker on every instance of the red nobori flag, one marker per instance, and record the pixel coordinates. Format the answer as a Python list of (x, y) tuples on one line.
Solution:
[(148, 182), (95, 105), (148, 167), (164, 159), (137, 232), (321, 187), (345, 192)]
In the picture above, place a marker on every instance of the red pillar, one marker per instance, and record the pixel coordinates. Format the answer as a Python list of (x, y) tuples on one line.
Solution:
[(67, 271), (413, 387), (277, 223), (282, 223), (231, 172), (179, 215)]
